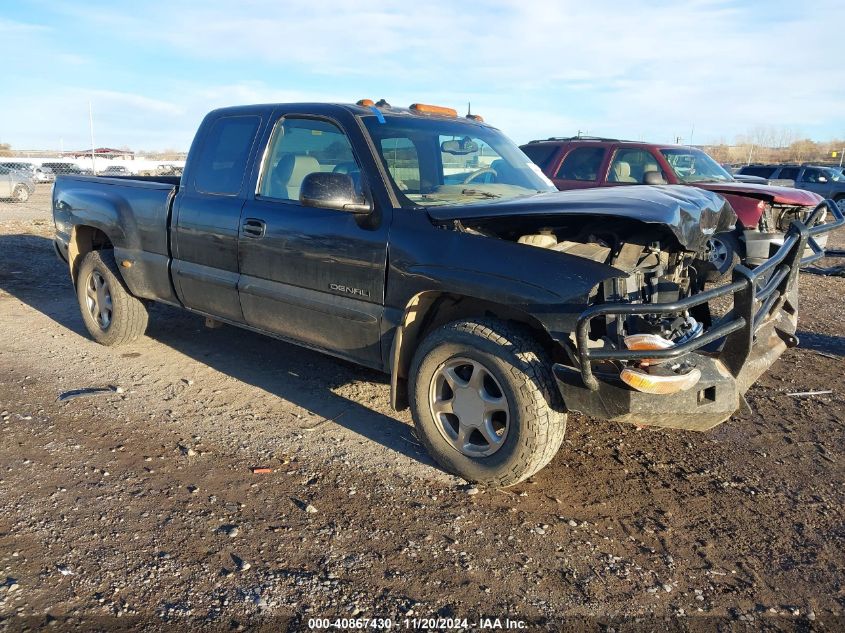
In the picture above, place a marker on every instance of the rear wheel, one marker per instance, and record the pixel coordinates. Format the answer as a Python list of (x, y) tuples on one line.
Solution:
[(484, 401), (112, 315), (20, 194)]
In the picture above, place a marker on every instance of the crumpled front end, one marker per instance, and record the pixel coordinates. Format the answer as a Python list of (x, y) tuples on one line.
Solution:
[(630, 366), (775, 219)]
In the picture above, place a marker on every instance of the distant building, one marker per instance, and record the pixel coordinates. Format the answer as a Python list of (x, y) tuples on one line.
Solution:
[(104, 152)]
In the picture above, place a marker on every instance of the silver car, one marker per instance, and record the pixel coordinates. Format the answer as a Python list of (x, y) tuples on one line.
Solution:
[(15, 184)]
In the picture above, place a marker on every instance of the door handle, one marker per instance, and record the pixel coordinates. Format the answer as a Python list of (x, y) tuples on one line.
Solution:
[(253, 227)]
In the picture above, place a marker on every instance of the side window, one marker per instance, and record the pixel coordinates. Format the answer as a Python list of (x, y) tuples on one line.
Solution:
[(813, 175), (788, 173), (403, 163), (582, 163), (300, 147), (221, 165), (763, 172), (631, 165), (540, 154)]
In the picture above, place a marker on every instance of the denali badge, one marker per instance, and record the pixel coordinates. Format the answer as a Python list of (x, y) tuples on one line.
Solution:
[(349, 290)]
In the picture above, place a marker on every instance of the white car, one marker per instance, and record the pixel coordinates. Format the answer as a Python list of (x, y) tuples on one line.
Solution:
[(44, 175)]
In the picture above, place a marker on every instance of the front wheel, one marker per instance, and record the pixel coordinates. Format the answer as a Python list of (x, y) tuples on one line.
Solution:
[(722, 253), (484, 401), (112, 315)]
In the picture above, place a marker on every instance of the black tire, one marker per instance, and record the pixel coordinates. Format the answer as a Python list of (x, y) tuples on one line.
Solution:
[(127, 318), (20, 194), (537, 418)]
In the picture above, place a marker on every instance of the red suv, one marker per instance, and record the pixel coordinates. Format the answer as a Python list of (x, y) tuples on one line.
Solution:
[(764, 211)]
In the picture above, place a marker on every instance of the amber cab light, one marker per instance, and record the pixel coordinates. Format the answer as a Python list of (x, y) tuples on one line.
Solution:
[(366, 102), (433, 109), (641, 380), (476, 117)]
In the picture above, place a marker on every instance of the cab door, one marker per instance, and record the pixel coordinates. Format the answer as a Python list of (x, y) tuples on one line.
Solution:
[(313, 275), (207, 213)]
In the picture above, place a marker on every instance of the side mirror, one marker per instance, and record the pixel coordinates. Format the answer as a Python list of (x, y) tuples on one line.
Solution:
[(653, 178), (822, 179), (332, 191)]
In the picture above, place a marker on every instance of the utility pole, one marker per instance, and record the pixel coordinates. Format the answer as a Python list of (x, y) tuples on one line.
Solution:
[(91, 123), (841, 156)]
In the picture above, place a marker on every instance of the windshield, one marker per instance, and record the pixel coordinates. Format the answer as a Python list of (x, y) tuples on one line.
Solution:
[(432, 161), (693, 165), (833, 174)]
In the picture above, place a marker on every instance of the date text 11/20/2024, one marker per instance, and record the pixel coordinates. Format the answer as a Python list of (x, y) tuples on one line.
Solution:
[(426, 624)]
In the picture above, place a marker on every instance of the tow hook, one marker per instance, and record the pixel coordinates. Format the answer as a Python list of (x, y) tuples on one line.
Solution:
[(789, 339)]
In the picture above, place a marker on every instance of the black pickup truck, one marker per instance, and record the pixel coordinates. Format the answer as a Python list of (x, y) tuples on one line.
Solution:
[(428, 246)]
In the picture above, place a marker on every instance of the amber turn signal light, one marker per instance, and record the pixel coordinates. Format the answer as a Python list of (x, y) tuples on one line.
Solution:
[(647, 341), (659, 383)]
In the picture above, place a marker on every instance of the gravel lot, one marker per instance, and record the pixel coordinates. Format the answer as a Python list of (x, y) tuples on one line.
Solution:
[(139, 507)]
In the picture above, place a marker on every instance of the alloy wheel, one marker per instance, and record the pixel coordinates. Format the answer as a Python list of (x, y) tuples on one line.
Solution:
[(98, 299), (469, 407)]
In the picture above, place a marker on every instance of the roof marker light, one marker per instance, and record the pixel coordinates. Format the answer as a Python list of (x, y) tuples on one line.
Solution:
[(425, 108)]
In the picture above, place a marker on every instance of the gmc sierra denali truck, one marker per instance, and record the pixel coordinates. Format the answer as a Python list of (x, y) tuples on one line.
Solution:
[(429, 246)]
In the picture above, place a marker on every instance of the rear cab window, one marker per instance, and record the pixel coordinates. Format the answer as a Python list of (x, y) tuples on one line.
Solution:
[(221, 165)]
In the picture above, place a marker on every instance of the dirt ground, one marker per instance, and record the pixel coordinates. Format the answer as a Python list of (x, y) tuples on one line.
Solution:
[(138, 508)]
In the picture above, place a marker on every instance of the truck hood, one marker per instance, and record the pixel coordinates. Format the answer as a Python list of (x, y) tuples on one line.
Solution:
[(778, 195), (691, 214)]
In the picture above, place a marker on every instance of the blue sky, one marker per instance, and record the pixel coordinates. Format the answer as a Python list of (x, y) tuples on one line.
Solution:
[(704, 70)]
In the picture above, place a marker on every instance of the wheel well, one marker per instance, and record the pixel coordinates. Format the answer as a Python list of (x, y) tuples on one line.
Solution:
[(83, 240), (427, 311)]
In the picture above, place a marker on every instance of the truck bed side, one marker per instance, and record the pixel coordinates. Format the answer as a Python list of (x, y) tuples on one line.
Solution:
[(130, 214)]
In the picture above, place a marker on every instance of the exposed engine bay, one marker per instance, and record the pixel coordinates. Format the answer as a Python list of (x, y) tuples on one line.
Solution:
[(778, 217), (658, 270)]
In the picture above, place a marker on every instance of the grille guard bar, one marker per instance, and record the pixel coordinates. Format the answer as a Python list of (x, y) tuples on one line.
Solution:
[(767, 284)]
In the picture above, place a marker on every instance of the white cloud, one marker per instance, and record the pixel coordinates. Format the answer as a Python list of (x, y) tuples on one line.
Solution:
[(634, 68)]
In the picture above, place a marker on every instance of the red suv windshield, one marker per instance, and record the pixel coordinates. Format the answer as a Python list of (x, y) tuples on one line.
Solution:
[(693, 165)]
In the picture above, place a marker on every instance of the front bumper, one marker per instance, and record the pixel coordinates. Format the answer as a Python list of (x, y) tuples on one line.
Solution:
[(731, 354)]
